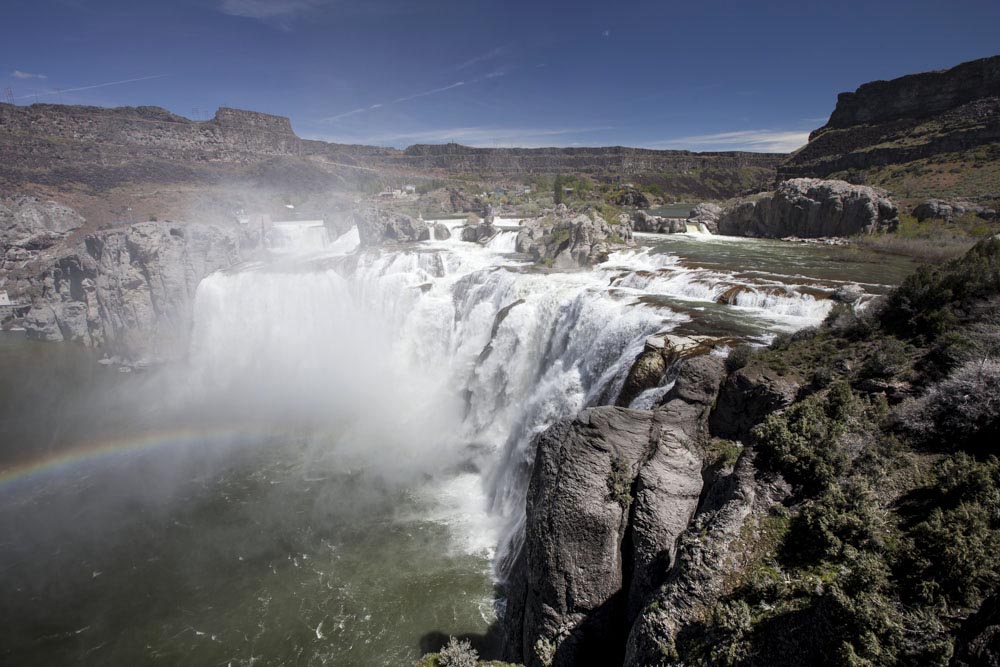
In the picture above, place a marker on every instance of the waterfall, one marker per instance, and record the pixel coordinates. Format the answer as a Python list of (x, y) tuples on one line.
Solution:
[(448, 357)]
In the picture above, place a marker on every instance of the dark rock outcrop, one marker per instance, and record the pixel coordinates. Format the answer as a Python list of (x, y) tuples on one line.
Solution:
[(567, 241), (809, 208), (130, 291), (441, 231), (478, 233), (644, 222), (376, 227), (610, 494), (708, 553), (746, 397), (630, 196), (978, 642)]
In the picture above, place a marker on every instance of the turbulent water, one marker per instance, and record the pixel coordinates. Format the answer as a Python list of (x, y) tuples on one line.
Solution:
[(337, 474)]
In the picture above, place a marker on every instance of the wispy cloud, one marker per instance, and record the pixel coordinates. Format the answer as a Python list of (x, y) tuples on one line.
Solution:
[(478, 136), (18, 74), (764, 141), (267, 9), (489, 55), (56, 91), (414, 96), (427, 93)]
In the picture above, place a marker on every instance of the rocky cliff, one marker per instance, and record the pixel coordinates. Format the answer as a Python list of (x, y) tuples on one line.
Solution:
[(128, 291), (952, 115)]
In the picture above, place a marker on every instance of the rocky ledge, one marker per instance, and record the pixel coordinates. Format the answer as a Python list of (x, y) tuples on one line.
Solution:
[(810, 208)]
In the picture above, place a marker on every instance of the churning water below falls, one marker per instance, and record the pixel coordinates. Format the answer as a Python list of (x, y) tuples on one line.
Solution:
[(336, 475)]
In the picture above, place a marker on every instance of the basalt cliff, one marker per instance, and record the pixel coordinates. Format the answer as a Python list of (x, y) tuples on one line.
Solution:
[(933, 133)]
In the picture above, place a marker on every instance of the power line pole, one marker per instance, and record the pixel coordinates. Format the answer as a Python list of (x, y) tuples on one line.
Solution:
[(8, 95)]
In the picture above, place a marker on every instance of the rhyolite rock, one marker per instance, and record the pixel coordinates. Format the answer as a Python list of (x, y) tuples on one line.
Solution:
[(706, 214), (611, 491), (810, 208), (376, 227), (630, 196), (441, 231), (566, 240), (654, 224), (938, 209), (130, 291)]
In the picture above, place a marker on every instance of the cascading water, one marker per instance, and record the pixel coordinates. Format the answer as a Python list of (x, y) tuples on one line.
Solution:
[(475, 351), (338, 472)]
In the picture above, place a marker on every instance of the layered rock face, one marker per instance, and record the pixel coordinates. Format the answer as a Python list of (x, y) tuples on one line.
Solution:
[(29, 225), (905, 119), (567, 241), (809, 208), (611, 493), (130, 291)]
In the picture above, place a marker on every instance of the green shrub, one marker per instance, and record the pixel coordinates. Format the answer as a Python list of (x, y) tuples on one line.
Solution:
[(950, 557), (620, 483), (802, 443), (927, 304)]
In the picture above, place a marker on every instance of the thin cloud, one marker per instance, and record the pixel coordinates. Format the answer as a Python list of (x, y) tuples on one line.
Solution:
[(489, 55), (414, 96), (18, 74), (427, 93), (96, 85), (764, 141)]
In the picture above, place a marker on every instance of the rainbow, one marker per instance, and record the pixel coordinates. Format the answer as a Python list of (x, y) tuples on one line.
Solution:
[(87, 453)]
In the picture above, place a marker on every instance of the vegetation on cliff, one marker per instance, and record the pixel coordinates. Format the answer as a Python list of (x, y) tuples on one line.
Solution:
[(888, 541)]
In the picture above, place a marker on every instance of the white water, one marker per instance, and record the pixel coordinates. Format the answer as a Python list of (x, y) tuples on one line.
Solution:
[(442, 363)]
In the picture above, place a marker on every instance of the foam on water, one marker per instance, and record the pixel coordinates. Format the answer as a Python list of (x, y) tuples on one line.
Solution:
[(450, 357)]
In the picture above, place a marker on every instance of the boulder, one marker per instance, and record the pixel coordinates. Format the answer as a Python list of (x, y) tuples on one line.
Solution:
[(629, 196), (478, 233), (376, 227), (441, 231), (706, 214), (647, 371), (571, 241), (746, 397), (810, 208), (938, 209), (644, 222)]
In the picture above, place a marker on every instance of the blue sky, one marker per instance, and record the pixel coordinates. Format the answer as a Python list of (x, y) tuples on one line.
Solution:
[(703, 75)]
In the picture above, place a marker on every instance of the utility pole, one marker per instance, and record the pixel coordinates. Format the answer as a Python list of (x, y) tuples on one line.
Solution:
[(8, 95)]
